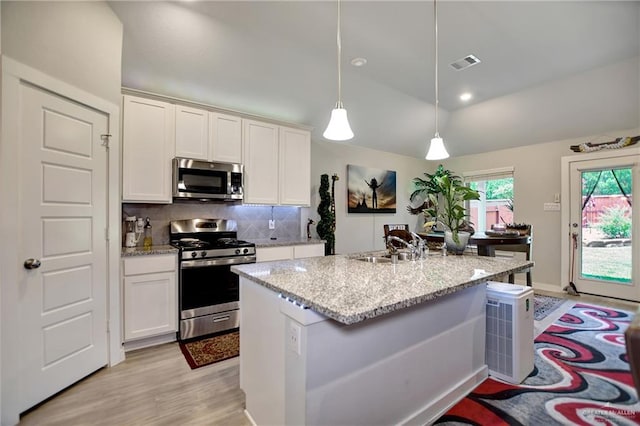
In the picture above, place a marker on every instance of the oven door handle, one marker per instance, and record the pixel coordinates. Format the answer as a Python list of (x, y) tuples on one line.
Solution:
[(239, 260)]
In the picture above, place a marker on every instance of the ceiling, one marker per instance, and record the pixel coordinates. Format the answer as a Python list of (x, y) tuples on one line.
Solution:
[(550, 70)]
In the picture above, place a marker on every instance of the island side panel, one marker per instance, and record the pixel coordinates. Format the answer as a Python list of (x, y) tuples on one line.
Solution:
[(261, 353), (407, 367)]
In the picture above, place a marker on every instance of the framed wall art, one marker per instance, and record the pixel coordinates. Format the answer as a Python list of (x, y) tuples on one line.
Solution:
[(370, 190)]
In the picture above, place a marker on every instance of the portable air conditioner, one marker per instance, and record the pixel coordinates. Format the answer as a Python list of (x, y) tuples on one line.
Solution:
[(509, 343)]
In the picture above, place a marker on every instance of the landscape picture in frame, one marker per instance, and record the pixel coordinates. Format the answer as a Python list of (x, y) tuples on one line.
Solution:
[(370, 190)]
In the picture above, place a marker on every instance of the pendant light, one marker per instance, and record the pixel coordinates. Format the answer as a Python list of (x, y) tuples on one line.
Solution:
[(437, 151), (338, 128)]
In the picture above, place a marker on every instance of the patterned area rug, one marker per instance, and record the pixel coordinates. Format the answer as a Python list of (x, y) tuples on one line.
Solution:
[(544, 305), (213, 349), (581, 377)]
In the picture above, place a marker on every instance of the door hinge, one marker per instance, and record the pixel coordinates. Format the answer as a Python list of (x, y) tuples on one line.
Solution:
[(106, 234), (105, 140)]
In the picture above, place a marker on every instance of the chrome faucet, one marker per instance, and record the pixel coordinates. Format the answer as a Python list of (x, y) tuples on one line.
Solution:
[(393, 250), (419, 245)]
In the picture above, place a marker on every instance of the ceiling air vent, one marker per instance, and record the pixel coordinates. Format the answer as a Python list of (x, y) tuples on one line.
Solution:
[(465, 62)]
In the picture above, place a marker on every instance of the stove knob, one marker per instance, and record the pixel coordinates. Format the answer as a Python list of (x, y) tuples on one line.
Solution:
[(203, 254), (245, 251), (194, 254), (237, 251)]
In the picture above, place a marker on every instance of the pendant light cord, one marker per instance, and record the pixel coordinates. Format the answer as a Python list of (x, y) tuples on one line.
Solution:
[(339, 42), (435, 19)]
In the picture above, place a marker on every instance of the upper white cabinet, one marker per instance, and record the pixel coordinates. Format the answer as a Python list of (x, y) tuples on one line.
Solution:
[(295, 167), (276, 159), (225, 138), (148, 148), (192, 133), (277, 162), (260, 162), (208, 136)]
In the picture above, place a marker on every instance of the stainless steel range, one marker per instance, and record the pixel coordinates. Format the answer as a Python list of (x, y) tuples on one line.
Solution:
[(208, 290)]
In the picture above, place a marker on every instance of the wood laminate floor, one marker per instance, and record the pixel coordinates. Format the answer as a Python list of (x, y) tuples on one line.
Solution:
[(155, 386)]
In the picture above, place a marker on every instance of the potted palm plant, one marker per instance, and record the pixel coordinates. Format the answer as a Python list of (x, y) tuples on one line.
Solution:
[(447, 207)]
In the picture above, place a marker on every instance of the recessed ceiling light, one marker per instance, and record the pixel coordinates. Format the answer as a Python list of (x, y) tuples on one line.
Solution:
[(358, 62), (466, 96)]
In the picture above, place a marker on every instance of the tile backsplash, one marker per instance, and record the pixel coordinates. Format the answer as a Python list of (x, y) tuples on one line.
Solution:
[(253, 221)]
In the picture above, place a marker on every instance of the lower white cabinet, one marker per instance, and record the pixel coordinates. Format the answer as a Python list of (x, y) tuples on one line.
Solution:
[(267, 254), (150, 295)]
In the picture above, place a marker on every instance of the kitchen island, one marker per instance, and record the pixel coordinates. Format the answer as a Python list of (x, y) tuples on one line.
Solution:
[(338, 340)]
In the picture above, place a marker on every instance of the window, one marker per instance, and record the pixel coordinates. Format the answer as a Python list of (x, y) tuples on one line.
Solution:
[(496, 197)]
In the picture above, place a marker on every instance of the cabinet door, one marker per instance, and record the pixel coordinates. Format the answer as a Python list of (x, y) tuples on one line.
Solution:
[(295, 167), (225, 138), (147, 151), (192, 133), (260, 162), (150, 305)]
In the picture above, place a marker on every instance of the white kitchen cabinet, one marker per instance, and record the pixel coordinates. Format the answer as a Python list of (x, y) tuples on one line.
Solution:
[(268, 254), (192, 133), (225, 138), (277, 163), (260, 163), (150, 295), (147, 150), (208, 136), (295, 167), (308, 250)]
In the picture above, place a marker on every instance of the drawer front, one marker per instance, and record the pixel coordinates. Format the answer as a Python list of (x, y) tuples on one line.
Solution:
[(150, 264), (207, 324), (309, 250), (266, 254)]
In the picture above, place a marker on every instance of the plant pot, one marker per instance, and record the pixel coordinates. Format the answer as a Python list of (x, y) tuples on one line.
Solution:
[(456, 247)]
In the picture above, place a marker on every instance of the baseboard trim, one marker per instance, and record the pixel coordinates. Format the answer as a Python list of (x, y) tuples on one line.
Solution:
[(434, 410), (149, 341)]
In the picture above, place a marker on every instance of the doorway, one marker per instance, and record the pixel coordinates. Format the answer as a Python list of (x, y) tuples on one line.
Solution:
[(59, 262), (603, 250)]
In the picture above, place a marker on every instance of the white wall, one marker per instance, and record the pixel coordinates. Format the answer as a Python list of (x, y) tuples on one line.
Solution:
[(79, 43), (536, 180), (357, 232)]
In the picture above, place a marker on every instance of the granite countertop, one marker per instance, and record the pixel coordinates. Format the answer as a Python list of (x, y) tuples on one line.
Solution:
[(141, 251), (285, 242), (350, 291)]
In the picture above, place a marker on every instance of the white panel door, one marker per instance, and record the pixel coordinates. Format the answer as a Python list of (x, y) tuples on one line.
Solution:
[(260, 163), (192, 133), (295, 167), (225, 138), (63, 180)]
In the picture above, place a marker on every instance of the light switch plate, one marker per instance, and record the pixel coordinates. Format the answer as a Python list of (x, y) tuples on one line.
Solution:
[(552, 207)]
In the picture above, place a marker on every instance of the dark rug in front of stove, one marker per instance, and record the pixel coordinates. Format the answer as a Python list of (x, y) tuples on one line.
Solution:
[(199, 353)]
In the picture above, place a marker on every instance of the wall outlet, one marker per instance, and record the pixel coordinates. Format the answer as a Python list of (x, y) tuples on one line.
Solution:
[(272, 224), (293, 338)]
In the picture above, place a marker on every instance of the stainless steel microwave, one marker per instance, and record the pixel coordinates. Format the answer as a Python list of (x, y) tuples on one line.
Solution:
[(205, 180)]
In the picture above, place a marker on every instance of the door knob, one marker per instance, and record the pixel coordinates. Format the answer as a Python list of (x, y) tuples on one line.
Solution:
[(31, 264)]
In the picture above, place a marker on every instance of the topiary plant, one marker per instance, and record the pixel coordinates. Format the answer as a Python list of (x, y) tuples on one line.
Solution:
[(325, 224)]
